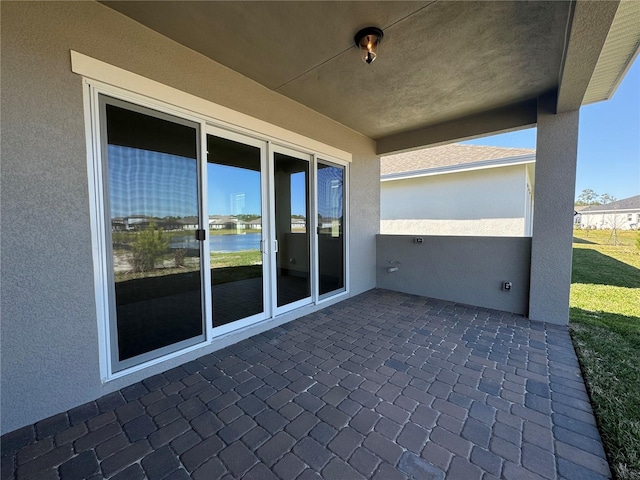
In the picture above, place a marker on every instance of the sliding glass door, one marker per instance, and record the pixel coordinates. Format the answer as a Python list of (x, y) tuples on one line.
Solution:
[(331, 236), (150, 163), (208, 230), (235, 227), (291, 228)]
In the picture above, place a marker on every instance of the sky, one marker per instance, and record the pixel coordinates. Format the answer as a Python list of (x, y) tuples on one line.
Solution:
[(608, 141)]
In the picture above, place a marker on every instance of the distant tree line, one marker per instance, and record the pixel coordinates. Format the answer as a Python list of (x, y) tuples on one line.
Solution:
[(589, 197)]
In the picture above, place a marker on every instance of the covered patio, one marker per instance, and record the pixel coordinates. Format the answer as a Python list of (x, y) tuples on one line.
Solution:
[(361, 373), (383, 385)]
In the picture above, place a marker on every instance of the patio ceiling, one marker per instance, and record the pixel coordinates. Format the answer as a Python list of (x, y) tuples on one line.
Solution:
[(440, 63)]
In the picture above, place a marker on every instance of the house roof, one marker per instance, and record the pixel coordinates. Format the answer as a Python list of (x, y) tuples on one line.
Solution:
[(631, 203), (450, 158), (446, 70)]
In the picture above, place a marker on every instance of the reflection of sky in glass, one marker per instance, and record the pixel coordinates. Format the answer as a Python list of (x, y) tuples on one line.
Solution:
[(149, 183), (330, 192), (299, 194), (233, 190)]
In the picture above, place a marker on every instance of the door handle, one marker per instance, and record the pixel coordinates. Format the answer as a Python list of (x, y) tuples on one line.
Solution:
[(275, 246)]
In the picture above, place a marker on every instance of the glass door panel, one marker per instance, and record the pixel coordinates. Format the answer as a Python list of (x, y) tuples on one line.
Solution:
[(331, 244), (151, 176), (235, 229), (291, 187)]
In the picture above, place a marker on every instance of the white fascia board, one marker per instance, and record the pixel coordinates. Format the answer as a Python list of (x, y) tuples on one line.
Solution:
[(617, 210), (93, 69), (468, 167)]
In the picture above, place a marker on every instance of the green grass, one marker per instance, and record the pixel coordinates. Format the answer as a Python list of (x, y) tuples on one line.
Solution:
[(605, 328)]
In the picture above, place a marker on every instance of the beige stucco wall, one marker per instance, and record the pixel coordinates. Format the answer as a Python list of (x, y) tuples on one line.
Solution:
[(49, 328), (459, 269), (488, 202)]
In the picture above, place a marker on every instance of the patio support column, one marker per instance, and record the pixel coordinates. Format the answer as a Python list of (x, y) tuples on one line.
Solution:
[(556, 154)]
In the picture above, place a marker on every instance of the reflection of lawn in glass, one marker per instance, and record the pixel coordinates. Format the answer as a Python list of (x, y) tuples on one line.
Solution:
[(129, 237), (236, 259), (235, 266), (225, 267)]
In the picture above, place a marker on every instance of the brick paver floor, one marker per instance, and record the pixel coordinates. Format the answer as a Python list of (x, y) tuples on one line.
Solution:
[(384, 386)]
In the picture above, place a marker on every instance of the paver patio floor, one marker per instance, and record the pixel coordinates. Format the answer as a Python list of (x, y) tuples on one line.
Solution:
[(383, 385)]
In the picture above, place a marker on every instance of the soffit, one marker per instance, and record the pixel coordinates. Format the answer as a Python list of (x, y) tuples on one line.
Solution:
[(439, 61), (619, 50)]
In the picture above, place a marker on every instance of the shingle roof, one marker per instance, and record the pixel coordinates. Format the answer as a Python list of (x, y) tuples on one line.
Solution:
[(624, 204), (446, 156)]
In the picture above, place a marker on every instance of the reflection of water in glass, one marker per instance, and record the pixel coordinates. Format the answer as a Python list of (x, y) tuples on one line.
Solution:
[(221, 243)]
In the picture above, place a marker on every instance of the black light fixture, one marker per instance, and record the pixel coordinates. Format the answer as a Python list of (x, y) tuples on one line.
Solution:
[(367, 40)]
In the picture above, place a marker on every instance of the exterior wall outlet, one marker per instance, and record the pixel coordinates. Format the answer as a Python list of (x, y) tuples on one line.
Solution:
[(418, 240), (506, 286)]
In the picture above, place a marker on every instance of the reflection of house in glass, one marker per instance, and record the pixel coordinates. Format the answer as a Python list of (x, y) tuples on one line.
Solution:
[(255, 224), (298, 224), (332, 225), (141, 222), (231, 222), (186, 223), (133, 222), (222, 222)]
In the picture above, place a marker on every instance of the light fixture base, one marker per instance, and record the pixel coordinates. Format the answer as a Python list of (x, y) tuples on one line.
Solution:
[(368, 40)]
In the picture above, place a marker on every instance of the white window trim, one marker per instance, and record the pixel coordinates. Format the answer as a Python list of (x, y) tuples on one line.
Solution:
[(101, 78)]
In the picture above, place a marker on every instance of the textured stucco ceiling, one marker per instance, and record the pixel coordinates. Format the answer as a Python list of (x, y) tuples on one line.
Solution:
[(440, 60)]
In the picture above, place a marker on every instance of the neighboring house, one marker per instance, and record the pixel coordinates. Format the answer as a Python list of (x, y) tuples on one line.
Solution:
[(577, 214), (458, 190), (170, 89), (622, 214)]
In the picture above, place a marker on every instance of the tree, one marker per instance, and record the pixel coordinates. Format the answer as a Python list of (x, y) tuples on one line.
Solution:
[(605, 198), (247, 217), (587, 197), (613, 220), (147, 247)]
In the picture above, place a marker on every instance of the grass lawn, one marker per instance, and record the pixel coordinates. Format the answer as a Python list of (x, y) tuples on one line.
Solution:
[(605, 327)]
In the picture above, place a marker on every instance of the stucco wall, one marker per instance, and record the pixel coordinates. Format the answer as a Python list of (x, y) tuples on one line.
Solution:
[(480, 202), (49, 328), (459, 269)]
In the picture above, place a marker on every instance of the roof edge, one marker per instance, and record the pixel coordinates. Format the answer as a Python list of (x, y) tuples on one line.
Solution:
[(463, 167)]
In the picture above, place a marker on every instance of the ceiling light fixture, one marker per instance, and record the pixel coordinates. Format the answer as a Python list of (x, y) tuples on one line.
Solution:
[(367, 40)]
